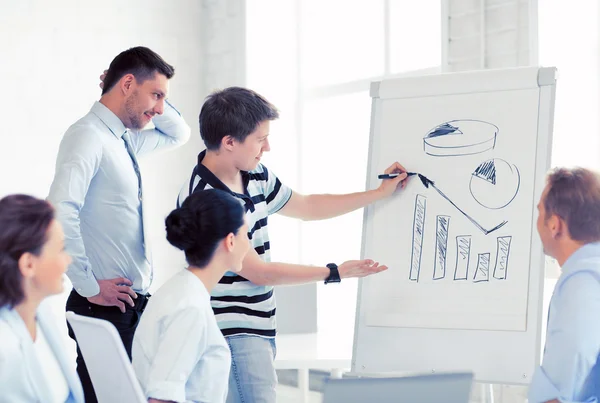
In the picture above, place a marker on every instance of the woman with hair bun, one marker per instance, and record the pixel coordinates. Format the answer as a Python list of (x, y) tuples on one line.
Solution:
[(34, 362), (179, 353)]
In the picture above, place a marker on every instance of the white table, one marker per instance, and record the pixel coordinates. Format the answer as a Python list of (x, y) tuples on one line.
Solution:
[(325, 351), (322, 350)]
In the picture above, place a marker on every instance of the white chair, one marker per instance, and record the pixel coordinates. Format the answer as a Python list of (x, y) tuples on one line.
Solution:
[(107, 362)]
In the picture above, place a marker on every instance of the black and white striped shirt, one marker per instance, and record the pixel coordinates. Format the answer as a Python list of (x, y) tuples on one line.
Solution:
[(240, 306)]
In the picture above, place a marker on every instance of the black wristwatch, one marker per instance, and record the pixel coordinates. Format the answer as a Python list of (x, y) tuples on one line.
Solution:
[(334, 274)]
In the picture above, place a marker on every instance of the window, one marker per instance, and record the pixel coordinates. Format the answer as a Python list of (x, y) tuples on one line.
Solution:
[(316, 61), (573, 50)]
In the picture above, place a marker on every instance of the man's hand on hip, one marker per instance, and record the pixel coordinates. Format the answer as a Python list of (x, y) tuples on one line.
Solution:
[(114, 292)]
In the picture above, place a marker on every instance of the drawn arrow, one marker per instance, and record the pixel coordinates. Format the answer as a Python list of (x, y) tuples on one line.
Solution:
[(428, 182)]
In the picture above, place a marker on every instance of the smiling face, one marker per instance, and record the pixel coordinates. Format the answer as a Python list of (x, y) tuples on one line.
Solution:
[(144, 100), (247, 154), (43, 273)]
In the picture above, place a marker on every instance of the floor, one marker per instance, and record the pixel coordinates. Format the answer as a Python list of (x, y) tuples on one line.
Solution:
[(290, 394)]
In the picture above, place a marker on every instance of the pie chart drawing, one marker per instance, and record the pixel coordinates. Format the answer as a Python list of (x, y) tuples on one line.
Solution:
[(460, 137), (495, 183)]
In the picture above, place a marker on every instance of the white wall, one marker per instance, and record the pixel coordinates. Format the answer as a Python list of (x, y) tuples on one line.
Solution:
[(224, 32), (51, 56)]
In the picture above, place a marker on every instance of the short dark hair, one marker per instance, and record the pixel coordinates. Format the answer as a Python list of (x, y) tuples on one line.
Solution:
[(235, 112), (139, 61), (203, 220), (24, 223), (574, 196)]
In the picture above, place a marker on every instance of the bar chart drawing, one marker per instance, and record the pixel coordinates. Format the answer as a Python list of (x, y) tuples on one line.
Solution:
[(463, 254), (441, 246), (503, 251), (417, 237), (482, 272)]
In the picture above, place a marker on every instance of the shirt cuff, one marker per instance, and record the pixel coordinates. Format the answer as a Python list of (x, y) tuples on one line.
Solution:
[(167, 390), (542, 390), (172, 124), (170, 114), (172, 107), (84, 282)]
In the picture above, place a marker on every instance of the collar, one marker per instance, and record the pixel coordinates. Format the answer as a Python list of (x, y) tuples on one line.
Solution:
[(216, 183), (12, 317), (114, 124), (587, 251)]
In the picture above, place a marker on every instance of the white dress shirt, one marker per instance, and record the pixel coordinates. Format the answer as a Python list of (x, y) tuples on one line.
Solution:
[(178, 351)]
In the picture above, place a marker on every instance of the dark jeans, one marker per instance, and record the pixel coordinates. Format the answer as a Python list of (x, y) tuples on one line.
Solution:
[(126, 323)]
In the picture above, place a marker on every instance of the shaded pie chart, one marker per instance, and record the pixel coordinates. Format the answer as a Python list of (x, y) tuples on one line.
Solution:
[(460, 137), (495, 183)]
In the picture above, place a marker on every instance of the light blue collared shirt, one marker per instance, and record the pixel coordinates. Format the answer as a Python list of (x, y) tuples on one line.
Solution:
[(570, 370), (97, 194)]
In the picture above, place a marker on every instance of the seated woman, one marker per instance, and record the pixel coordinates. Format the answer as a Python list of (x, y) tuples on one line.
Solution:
[(34, 363), (179, 353)]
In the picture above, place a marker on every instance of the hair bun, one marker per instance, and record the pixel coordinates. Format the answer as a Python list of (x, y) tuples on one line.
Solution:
[(181, 226)]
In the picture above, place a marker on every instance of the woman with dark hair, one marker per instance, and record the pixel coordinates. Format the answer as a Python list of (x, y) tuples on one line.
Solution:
[(179, 353), (34, 363)]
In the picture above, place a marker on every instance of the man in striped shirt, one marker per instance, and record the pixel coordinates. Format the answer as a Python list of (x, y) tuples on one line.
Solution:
[(234, 125)]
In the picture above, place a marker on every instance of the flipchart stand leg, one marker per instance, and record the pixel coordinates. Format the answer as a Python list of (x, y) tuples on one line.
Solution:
[(303, 385), (487, 393)]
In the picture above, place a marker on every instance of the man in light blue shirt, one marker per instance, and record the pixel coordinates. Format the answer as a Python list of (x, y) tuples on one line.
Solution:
[(97, 192), (569, 227)]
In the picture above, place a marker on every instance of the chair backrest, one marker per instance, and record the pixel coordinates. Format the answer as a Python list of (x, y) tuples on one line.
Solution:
[(430, 388), (107, 362)]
